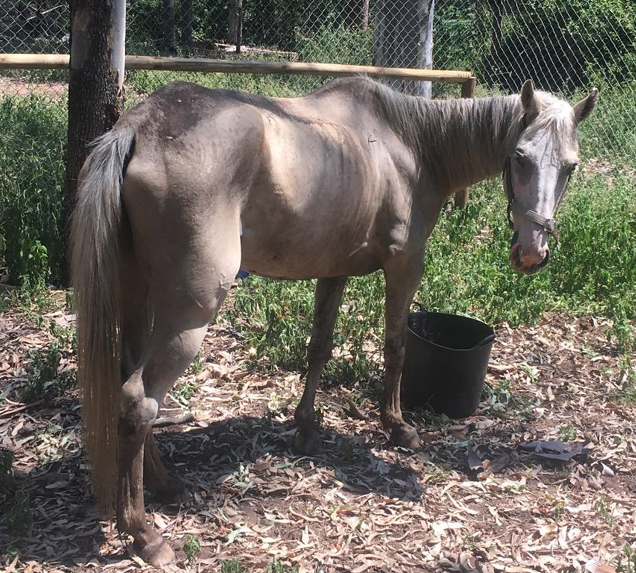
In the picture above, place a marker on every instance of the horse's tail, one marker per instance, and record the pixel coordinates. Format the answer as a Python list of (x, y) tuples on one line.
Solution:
[(96, 241)]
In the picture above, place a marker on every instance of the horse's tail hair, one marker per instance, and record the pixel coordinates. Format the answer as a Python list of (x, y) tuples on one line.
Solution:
[(96, 242)]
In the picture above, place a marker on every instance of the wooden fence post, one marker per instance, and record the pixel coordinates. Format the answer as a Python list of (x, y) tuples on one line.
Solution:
[(468, 91)]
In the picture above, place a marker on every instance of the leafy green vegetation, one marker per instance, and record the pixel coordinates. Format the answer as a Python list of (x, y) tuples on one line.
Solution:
[(32, 151), (191, 548), (567, 433), (232, 566), (145, 82), (45, 378), (628, 373), (626, 561)]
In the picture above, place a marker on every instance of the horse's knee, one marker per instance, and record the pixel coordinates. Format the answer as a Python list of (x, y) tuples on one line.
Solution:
[(393, 355), (319, 351)]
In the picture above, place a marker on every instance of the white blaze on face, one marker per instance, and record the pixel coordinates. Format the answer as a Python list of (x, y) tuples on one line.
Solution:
[(544, 159)]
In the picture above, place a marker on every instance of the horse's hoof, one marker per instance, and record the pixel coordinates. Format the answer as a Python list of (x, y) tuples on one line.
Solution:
[(406, 437), (157, 552), (308, 445)]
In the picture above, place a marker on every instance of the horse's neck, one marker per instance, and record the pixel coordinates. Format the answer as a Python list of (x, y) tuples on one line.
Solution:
[(468, 140)]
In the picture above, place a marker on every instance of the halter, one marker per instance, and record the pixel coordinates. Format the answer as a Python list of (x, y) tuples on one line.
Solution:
[(550, 225)]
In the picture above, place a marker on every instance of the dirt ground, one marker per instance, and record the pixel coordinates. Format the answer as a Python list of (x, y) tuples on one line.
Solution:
[(476, 497)]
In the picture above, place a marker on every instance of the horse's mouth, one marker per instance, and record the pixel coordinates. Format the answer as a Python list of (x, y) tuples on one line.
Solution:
[(517, 264)]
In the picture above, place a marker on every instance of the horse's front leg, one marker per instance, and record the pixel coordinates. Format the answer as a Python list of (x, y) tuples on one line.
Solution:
[(401, 283), (328, 296)]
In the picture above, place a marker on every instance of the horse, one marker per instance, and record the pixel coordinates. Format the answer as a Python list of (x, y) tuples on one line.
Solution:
[(192, 185)]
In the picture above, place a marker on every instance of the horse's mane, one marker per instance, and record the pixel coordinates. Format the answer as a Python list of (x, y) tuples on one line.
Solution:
[(487, 128)]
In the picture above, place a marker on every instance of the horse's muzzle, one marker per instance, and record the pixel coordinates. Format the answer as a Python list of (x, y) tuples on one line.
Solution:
[(518, 264)]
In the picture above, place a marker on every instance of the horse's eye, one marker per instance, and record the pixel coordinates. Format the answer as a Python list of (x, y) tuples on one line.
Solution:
[(520, 158)]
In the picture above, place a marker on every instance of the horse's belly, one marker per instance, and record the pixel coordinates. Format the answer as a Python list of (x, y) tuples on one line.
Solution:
[(289, 257)]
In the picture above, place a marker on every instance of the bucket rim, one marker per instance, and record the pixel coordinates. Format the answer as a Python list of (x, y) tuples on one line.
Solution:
[(492, 336)]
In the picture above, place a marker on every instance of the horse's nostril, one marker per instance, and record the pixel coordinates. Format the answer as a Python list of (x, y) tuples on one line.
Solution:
[(515, 255)]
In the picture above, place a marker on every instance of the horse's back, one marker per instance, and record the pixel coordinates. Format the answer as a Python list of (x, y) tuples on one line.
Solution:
[(302, 180)]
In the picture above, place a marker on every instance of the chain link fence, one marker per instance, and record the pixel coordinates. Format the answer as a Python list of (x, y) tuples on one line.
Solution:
[(566, 46)]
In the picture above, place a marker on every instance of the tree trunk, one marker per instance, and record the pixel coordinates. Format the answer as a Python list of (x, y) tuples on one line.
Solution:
[(397, 36), (234, 21), (95, 85), (168, 21), (357, 14), (186, 25), (491, 67), (364, 17), (426, 54)]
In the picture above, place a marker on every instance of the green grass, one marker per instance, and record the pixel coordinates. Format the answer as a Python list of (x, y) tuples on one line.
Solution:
[(628, 373), (626, 561), (143, 82), (232, 566)]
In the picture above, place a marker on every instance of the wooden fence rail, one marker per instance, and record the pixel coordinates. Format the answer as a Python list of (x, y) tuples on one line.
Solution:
[(61, 61)]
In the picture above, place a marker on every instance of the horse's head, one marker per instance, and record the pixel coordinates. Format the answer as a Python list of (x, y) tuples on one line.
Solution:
[(537, 172)]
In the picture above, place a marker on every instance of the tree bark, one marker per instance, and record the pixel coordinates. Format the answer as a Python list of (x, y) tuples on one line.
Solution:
[(168, 24), (95, 86), (357, 14), (186, 24), (364, 15), (398, 35), (234, 21), (426, 54), (491, 65)]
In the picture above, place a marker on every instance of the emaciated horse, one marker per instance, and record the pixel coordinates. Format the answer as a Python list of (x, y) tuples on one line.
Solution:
[(192, 184)]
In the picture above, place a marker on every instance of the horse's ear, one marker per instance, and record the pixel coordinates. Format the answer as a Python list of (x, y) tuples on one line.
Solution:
[(585, 106), (528, 100)]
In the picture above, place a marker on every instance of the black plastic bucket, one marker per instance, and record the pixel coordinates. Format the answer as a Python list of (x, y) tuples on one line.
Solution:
[(445, 362)]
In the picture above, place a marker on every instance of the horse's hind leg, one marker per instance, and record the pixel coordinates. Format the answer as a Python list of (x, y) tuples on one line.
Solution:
[(164, 486), (171, 348), (328, 296), (181, 315), (135, 334), (401, 283)]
